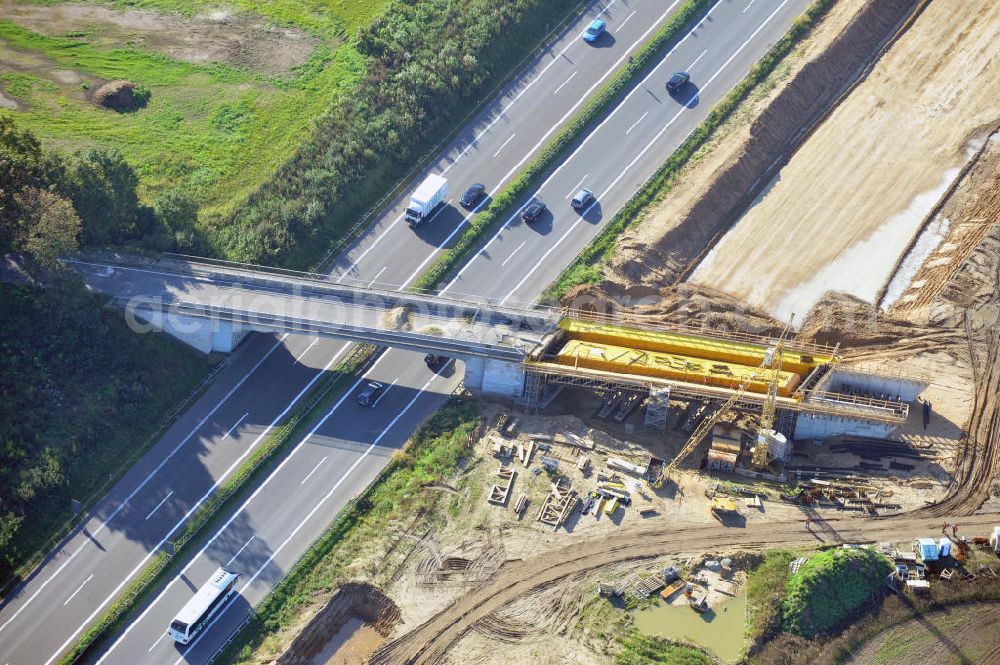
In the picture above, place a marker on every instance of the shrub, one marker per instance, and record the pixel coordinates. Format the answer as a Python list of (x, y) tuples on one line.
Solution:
[(831, 588)]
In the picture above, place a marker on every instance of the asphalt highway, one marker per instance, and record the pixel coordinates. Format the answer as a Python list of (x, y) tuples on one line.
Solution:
[(267, 376)]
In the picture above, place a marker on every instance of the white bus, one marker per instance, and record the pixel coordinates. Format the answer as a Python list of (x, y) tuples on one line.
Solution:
[(198, 611)]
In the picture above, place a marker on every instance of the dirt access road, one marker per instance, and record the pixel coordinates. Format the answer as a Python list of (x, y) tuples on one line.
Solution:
[(429, 642), (842, 211)]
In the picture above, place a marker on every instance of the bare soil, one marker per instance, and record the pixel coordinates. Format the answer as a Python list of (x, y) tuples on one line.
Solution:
[(225, 36), (846, 206), (948, 636)]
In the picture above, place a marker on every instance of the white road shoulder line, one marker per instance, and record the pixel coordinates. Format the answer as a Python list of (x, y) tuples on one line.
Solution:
[(169, 494)]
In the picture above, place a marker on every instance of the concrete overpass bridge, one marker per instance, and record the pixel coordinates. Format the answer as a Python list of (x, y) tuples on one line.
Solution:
[(518, 352)]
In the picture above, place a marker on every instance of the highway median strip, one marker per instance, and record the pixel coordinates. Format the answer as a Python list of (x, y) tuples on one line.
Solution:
[(586, 268), (242, 481)]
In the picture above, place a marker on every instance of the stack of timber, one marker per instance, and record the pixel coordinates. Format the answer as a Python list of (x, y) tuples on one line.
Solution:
[(559, 504), (500, 493)]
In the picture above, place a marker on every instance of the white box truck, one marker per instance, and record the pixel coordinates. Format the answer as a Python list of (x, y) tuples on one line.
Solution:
[(429, 195)]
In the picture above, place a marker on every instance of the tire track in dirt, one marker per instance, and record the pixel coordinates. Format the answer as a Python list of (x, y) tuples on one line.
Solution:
[(428, 643)]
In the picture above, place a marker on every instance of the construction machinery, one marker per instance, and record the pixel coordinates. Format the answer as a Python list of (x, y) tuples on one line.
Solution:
[(771, 367)]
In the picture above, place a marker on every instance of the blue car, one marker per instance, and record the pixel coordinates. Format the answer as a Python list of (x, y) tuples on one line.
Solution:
[(594, 31)]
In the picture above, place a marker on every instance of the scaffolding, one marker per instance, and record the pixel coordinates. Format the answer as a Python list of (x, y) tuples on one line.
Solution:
[(657, 409)]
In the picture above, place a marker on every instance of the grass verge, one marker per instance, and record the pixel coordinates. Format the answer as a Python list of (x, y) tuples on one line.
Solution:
[(639, 649), (496, 212), (587, 268), (252, 470), (431, 455)]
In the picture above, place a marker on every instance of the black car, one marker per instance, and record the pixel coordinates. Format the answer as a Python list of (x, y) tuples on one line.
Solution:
[(472, 195), (533, 211), (369, 395), (434, 362), (582, 199), (678, 81)]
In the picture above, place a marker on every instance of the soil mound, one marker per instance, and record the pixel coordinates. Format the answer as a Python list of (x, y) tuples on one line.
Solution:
[(121, 96)]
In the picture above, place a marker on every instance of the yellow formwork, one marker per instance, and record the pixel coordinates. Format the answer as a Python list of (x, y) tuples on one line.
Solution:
[(623, 360), (694, 346)]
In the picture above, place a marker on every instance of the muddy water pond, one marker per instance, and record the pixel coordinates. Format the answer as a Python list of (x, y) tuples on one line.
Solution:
[(353, 644), (720, 630)]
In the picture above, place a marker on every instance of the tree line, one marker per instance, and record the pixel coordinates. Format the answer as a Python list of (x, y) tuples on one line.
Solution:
[(52, 203)]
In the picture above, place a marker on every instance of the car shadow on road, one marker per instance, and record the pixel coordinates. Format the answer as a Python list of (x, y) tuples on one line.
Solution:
[(607, 40), (689, 96)]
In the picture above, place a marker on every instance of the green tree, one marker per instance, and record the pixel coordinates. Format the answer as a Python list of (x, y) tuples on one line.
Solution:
[(23, 164), (50, 226), (102, 186)]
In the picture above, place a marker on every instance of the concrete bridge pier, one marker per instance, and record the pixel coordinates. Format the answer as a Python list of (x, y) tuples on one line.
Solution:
[(496, 378)]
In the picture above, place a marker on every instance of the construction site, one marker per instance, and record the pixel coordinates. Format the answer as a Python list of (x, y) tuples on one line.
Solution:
[(705, 402)]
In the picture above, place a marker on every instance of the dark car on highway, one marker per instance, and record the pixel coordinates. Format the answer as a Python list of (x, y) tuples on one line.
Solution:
[(434, 362), (472, 195), (678, 81), (533, 211), (370, 394), (582, 199)]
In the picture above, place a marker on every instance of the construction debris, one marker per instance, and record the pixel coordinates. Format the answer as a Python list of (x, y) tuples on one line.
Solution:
[(501, 492), (558, 505)]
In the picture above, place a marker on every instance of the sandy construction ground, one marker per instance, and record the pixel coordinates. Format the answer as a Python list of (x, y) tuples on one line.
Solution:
[(846, 206)]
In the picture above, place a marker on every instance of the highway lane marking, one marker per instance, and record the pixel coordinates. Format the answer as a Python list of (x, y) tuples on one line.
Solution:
[(152, 473), (377, 275), (150, 649), (572, 110), (576, 188), (315, 508), (556, 91), (385, 392), (311, 345), (232, 518), (474, 142), (641, 118), (621, 105), (622, 24), (650, 144), (247, 544), (691, 66), (236, 424), (749, 6), (513, 253), (308, 476), (169, 494), (72, 595), (553, 128), (505, 144), (234, 465), (517, 166)]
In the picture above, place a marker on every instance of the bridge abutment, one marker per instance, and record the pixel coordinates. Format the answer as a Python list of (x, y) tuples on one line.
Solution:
[(205, 335), (496, 378)]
